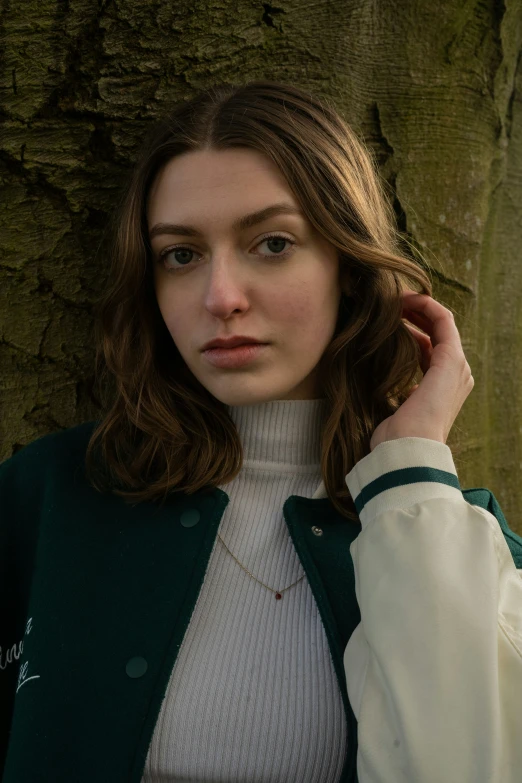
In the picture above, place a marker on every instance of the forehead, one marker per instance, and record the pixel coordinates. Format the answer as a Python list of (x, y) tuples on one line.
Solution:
[(209, 181)]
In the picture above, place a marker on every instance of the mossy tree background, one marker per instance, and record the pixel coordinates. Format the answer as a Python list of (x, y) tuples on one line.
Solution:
[(434, 88)]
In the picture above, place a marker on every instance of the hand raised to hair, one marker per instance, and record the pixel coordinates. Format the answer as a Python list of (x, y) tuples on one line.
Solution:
[(434, 403)]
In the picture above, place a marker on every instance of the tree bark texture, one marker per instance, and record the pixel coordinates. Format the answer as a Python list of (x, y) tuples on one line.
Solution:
[(434, 88)]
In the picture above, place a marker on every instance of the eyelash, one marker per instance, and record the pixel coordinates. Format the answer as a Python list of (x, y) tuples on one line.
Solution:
[(168, 250)]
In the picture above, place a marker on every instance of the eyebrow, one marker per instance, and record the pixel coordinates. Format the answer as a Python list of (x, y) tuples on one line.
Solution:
[(241, 224)]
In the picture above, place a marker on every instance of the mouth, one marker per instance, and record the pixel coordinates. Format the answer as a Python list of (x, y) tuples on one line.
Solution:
[(231, 345), (240, 355)]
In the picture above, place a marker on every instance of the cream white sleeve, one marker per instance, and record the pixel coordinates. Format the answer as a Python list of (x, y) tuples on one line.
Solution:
[(434, 668)]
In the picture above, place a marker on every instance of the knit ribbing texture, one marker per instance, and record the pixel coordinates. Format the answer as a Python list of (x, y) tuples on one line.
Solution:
[(253, 694)]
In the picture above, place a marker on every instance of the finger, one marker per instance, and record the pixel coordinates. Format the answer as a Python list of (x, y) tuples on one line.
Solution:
[(418, 332), (440, 322), (426, 348), (420, 321)]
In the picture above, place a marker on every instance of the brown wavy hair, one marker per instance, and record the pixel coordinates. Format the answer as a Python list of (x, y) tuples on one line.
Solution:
[(161, 430)]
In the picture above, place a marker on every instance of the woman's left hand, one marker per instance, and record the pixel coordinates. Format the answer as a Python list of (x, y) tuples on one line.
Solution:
[(434, 403)]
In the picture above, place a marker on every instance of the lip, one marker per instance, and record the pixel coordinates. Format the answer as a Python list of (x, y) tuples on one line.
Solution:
[(231, 342), (230, 358)]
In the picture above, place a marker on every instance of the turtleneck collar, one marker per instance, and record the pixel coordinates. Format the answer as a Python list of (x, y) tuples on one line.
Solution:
[(280, 431)]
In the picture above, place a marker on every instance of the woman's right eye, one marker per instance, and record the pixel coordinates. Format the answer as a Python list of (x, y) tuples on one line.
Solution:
[(171, 251)]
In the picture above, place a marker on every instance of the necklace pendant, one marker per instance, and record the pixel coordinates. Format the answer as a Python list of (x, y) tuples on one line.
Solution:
[(278, 596)]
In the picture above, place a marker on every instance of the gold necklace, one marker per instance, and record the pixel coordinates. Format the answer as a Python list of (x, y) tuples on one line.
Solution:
[(278, 593)]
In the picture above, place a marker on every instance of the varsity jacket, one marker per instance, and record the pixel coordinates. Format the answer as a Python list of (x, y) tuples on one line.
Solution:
[(421, 603)]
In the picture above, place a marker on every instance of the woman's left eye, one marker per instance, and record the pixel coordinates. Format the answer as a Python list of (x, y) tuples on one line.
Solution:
[(281, 239)]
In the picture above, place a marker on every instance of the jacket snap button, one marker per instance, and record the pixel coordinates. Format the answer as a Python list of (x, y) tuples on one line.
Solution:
[(190, 518), (136, 667), (317, 531)]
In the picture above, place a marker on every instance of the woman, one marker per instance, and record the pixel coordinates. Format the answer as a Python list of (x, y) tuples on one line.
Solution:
[(258, 565)]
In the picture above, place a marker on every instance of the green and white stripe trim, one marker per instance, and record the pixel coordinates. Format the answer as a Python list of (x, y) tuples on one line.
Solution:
[(398, 478), (399, 473)]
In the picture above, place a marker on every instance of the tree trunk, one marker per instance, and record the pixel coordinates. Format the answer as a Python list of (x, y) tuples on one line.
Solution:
[(434, 88)]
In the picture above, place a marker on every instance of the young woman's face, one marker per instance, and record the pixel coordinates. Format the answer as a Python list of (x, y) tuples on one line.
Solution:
[(228, 281)]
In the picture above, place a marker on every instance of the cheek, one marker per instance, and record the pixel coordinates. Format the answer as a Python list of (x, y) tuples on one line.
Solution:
[(170, 308), (314, 315), (300, 309), (291, 305)]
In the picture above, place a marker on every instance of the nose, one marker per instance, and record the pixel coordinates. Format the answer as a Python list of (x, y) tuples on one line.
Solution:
[(226, 288)]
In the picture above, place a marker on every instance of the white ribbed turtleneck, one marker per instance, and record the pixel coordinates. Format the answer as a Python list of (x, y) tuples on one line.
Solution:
[(253, 696)]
